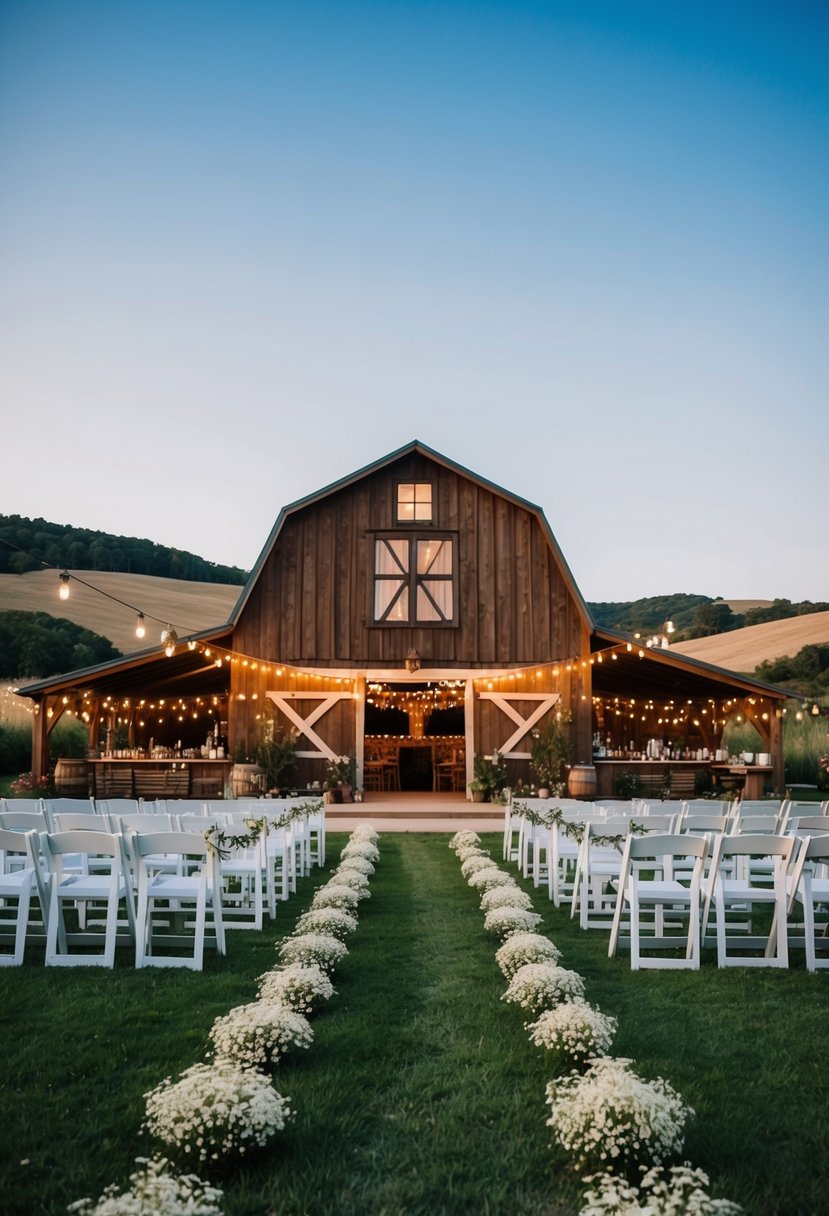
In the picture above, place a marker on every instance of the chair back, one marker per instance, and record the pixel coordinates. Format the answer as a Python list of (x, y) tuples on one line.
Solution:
[(28, 821)]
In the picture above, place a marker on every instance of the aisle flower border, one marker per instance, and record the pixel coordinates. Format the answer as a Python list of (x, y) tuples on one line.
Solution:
[(185, 1194), (610, 1193)]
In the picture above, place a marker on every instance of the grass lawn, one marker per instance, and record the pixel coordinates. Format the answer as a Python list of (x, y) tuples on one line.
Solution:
[(421, 1092)]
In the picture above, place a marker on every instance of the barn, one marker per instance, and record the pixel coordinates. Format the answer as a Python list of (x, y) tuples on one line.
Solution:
[(412, 615)]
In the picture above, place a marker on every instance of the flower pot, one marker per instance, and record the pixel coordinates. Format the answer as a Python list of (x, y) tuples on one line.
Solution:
[(477, 795), (543, 792)]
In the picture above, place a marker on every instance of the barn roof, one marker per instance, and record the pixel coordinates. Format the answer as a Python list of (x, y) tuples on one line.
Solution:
[(415, 446)]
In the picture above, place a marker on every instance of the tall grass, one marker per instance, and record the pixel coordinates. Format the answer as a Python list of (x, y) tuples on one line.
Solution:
[(68, 738), (421, 1092)]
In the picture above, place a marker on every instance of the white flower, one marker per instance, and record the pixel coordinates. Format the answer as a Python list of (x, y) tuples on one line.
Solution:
[(470, 850), (484, 880), (256, 1035), (478, 861), (155, 1191), (464, 838), (505, 921), (612, 1117), (327, 920), (359, 864), (356, 882), (299, 986), (321, 948), (575, 1029), (679, 1192), (505, 897), (537, 986), (521, 948), (364, 831), (361, 848), (336, 895), (214, 1111)]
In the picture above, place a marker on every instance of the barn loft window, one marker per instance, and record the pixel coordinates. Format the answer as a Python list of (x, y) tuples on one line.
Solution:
[(414, 580), (414, 502)]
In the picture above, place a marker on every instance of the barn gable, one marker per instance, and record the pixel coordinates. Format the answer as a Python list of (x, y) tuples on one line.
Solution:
[(413, 552)]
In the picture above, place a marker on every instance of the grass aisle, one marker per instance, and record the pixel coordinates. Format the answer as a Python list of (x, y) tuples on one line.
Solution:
[(420, 1094)]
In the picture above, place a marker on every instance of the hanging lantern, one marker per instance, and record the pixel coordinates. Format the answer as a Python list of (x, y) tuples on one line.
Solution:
[(169, 637), (63, 590)]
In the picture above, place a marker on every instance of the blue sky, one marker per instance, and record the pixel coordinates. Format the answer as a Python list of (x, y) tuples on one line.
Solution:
[(580, 248)]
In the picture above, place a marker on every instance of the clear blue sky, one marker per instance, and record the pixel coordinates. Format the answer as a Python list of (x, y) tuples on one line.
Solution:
[(581, 248)]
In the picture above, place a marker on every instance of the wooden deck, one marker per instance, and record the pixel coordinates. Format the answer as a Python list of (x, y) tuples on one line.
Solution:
[(413, 811)]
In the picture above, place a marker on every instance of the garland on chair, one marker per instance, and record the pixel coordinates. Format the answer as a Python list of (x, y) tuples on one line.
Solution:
[(574, 828)]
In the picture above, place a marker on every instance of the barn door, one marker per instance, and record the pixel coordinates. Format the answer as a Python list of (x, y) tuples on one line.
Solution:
[(521, 722), (307, 711)]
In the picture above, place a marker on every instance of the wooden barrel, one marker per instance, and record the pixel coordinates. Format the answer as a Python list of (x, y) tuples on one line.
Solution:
[(582, 781), (72, 778), (247, 780)]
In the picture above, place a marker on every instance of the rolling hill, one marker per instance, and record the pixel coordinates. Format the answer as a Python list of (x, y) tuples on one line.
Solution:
[(743, 649)]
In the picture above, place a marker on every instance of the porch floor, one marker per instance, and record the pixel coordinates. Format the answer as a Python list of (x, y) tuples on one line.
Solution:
[(415, 811)]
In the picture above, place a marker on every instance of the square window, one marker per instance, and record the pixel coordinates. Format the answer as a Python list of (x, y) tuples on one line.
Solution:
[(414, 501)]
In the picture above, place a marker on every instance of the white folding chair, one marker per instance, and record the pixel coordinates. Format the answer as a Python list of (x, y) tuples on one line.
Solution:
[(315, 822), (88, 888), (734, 887), (174, 898), (597, 869), (648, 880), (243, 870), (512, 833), (809, 887), (564, 853), (17, 881)]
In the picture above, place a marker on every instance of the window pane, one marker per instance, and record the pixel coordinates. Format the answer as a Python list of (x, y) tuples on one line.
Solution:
[(405, 510), (426, 610), (406, 492), (441, 592), (385, 589), (434, 557), (391, 557), (414, 500)]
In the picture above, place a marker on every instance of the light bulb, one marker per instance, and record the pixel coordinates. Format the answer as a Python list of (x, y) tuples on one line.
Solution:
[(169, 637), (63, 590), (139, 625)]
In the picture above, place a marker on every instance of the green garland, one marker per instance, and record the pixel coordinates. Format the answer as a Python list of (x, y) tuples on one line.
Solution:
[(575, 828)]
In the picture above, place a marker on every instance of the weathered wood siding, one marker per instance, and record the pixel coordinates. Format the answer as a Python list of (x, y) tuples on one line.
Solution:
[(312, 603)]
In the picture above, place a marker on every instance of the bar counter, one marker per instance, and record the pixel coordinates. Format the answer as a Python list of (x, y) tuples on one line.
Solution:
[(114, 777)]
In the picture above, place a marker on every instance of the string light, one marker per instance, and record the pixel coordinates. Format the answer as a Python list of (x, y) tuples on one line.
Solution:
[(63, 589), (140, 629)]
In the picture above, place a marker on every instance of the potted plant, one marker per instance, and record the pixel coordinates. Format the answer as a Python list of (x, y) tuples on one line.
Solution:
[(276, 755), (551, 750), (490, 777), (342, 777)]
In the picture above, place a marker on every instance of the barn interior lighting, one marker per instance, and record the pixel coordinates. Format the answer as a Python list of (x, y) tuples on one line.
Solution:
[(63, 589)]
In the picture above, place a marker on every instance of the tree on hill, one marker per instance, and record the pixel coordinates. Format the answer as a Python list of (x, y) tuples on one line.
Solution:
[(37, 645), (650, 614), (31, 542), (806, 672)]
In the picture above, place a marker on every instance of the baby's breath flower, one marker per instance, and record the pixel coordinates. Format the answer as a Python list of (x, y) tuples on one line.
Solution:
[(521, 948), (507, 920), (681, 1191), (336, 894), (537, 986), (327, 920), (256, 1035), (464, 838), (155, 1190), (321, 948), (505, 897), (610, 1117), (361, 848), (299, 986), (485, 880), (215, 1111), (574, 1029)]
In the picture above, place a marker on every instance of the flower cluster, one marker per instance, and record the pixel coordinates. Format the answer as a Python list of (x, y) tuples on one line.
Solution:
[(464, 840), (154, 1189), (336, 895), (521, 948), (321, 948), (680, 1191), (342, 771), (360, 849), (485, 880), (505, 921), (258, 1034), (327, 920), (505, 897), (611, 1115), (297, 986), (359, 864), (475, 863), (537, 986), (574, 1029), (214, 1111), (27, 785)]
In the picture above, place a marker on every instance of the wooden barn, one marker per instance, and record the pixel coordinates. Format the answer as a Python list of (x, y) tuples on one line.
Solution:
[(414, 615)]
